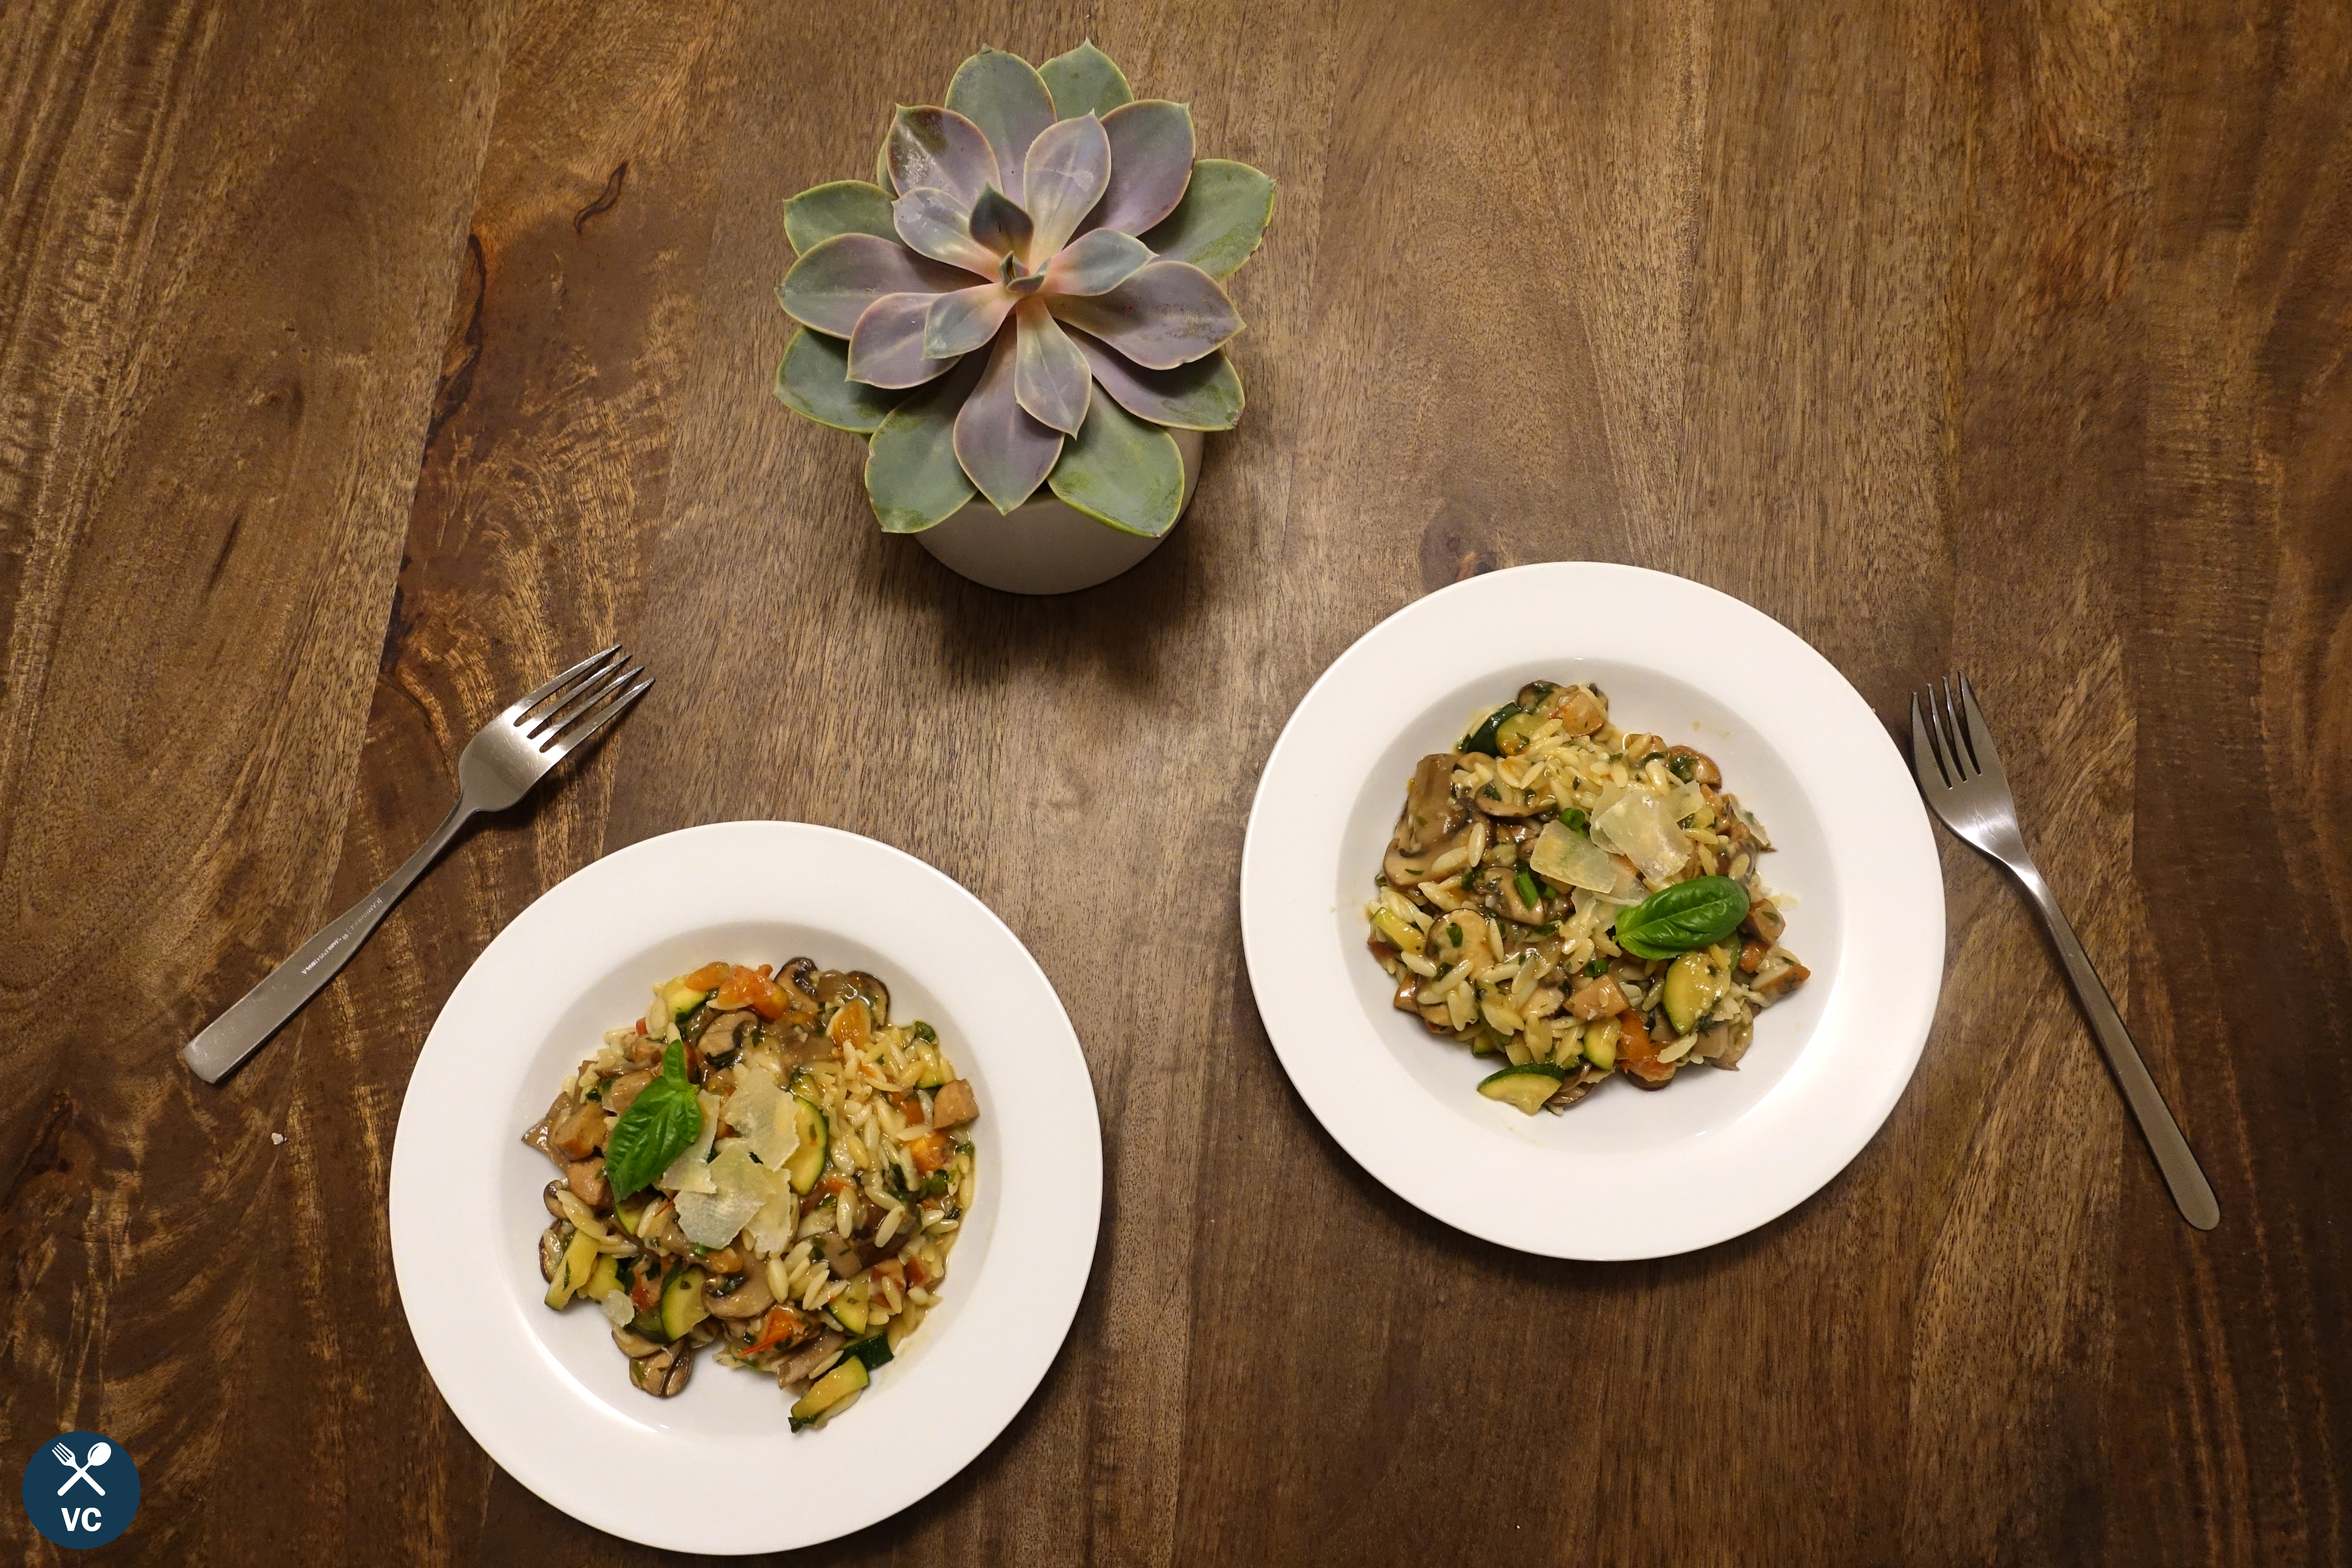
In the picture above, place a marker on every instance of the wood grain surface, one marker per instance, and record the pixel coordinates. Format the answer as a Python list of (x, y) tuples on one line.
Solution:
[(362, 364)]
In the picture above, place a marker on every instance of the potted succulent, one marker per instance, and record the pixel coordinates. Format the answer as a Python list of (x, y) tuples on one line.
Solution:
[(1023, 316)]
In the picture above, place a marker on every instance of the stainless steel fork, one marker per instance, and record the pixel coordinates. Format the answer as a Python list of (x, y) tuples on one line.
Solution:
[(504, 759), (1960, 774)]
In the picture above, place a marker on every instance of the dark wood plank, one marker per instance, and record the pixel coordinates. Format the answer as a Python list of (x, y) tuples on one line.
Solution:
[(228, 236), (1998, 336)]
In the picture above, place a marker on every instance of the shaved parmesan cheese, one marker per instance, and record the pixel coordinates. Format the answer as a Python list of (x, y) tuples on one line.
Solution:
[(1641, 828), (762, 1112), (1569, 858), (772, 1229), (741, 1188), (691, 1172)]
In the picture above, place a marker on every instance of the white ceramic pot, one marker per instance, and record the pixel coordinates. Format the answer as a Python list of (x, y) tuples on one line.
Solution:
[(1043, 546)]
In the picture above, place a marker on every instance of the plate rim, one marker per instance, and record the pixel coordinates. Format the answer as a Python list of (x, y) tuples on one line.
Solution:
[(1051, 1293), (1263, 935)]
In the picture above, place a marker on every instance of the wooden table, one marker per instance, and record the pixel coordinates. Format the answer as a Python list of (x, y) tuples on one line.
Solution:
[(359, 365)]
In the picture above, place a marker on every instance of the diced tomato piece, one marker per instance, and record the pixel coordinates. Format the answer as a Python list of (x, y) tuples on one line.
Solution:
[(931, 1150), (748, 987), (852, 1026), (706, 978), (782, 1326)]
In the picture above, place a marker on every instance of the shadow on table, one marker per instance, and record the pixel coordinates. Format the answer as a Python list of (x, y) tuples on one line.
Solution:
[(1122, 628)]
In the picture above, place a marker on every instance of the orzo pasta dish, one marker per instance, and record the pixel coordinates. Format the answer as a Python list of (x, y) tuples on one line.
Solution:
[(1576, 901), (763, 1164)]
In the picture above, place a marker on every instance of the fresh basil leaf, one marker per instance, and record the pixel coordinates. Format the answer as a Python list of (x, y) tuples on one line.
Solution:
[(660, 1124), (1677, 919)]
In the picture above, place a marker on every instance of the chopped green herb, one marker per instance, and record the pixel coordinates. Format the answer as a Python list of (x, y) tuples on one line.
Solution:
[(1682, 766), (1529, 896), (1595, 966), (925, 1032), (1574, 819), (1454, 933)]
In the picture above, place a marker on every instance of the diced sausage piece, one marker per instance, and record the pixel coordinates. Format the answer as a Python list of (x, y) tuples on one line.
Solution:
[(1598, 999), (1794, 974), (953, 1105), (1765, 921), (1751, 954), (1579, 712), (624, 1090), (587, 1180), (579, 1132)]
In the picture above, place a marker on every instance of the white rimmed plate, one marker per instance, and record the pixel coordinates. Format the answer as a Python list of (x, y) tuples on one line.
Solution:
[(1624, 1174), (546, 1393)]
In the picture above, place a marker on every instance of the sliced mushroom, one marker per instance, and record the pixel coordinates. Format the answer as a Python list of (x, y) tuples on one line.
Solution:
[(719, 1038), (664, 1373), (587, 1180), (748, 1299), (551, 1252), (547, 1197), (835, 987), (799, 1366), (1698, 767), (1765, 921), (1433, 814), (539, 1138), (634, 1345), (840, 1257), (1499, 797)]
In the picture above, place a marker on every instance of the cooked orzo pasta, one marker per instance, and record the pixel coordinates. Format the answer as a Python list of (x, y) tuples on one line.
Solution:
[(1578, 901), (765, 1164)]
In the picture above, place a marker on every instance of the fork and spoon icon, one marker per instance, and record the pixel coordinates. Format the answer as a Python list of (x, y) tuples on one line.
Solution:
[(100, 1452)]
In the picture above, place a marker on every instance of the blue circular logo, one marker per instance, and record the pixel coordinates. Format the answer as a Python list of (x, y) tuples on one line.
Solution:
[(82, 1490)]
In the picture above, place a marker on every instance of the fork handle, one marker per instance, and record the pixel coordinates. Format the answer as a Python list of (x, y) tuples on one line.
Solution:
[(2189, 1188), (239, 1032)]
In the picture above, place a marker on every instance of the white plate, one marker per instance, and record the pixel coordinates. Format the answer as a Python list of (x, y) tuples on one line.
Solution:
[(545, 1392), (1624, 1174)]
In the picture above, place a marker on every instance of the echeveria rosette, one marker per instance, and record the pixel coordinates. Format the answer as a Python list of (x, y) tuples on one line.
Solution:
[(1028, 293)]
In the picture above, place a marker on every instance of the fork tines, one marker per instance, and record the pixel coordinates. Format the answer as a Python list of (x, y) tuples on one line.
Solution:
[(581, 701), (1952, 736)]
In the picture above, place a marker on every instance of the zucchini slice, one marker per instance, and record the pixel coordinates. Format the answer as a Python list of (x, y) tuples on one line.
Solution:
[(846, 1378), (850, 1309), (875, 1352), (807, 1162), (682, 998), (681, 1302), (1527, 1086)]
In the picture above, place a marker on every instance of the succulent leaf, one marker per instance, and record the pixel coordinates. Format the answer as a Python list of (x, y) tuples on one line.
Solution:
[(1169, 314), (1006, 453), (1122, 471), (1085, 81), (934, 223), (882, 163), (965, 320), (1150, 159), (885, 348), (912, 476), (831, 285), (1050, 378), (814, 382), (843, 207), (1069, 164), (1220, 221), (939, 150), (1096, 262), (1006, 98), (999, 225), (1203, 395)]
